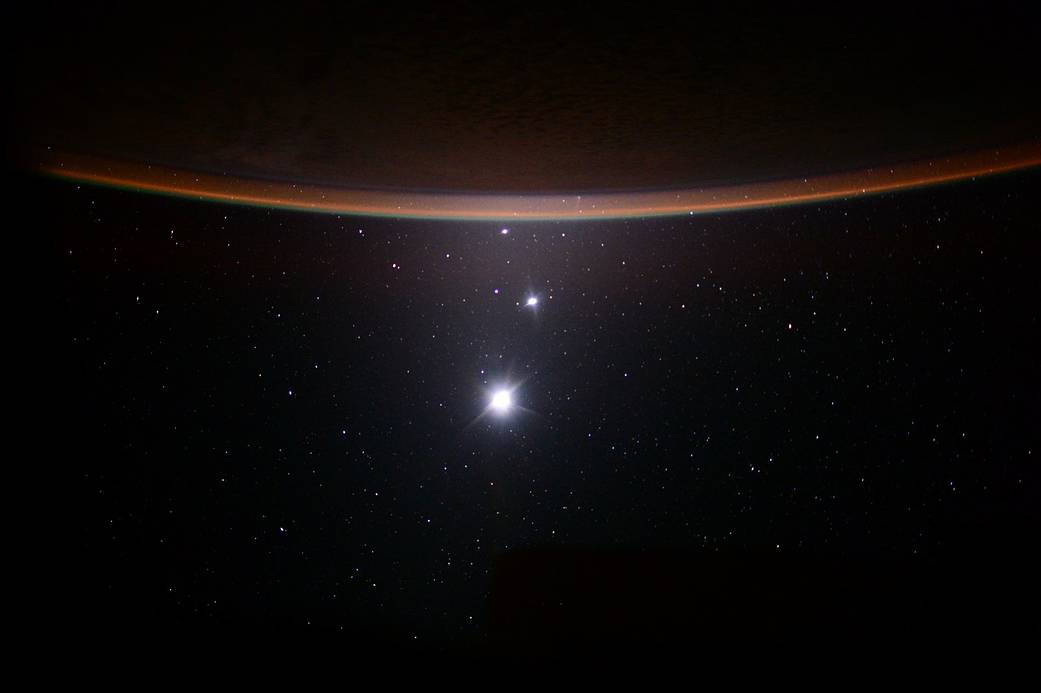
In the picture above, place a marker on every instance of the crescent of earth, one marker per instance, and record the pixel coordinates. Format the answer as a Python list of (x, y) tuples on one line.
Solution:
[(519, 207)]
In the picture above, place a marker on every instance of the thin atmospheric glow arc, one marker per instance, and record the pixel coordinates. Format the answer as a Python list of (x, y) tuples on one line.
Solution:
[(520, 207)]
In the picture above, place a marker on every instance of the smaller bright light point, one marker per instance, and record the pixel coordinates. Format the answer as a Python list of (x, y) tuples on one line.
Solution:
[(532, 301), (504, 231), (501, 401)]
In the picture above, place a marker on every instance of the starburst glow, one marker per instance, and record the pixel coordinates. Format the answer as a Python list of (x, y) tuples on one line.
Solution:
[(502, 401)]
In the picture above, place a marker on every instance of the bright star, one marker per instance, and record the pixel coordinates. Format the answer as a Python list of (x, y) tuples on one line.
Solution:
[(532, 301), (502, 400)]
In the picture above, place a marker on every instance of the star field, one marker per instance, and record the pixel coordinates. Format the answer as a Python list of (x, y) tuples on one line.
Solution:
[(277, 416)]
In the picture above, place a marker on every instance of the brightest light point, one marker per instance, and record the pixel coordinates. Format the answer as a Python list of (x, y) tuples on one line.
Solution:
[(532, 301), (501, 401)]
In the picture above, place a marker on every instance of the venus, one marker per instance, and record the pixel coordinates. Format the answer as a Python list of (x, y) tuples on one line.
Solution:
[(502, 400)]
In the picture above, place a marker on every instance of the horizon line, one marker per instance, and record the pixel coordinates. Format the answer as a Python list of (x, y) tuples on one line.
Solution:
[(506, 207)]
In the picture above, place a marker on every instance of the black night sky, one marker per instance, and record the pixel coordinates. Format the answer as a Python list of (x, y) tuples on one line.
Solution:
[(273, 412), (276, 419)]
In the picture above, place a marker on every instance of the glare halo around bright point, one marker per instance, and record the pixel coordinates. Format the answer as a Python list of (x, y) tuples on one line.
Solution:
[(502, 400)]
